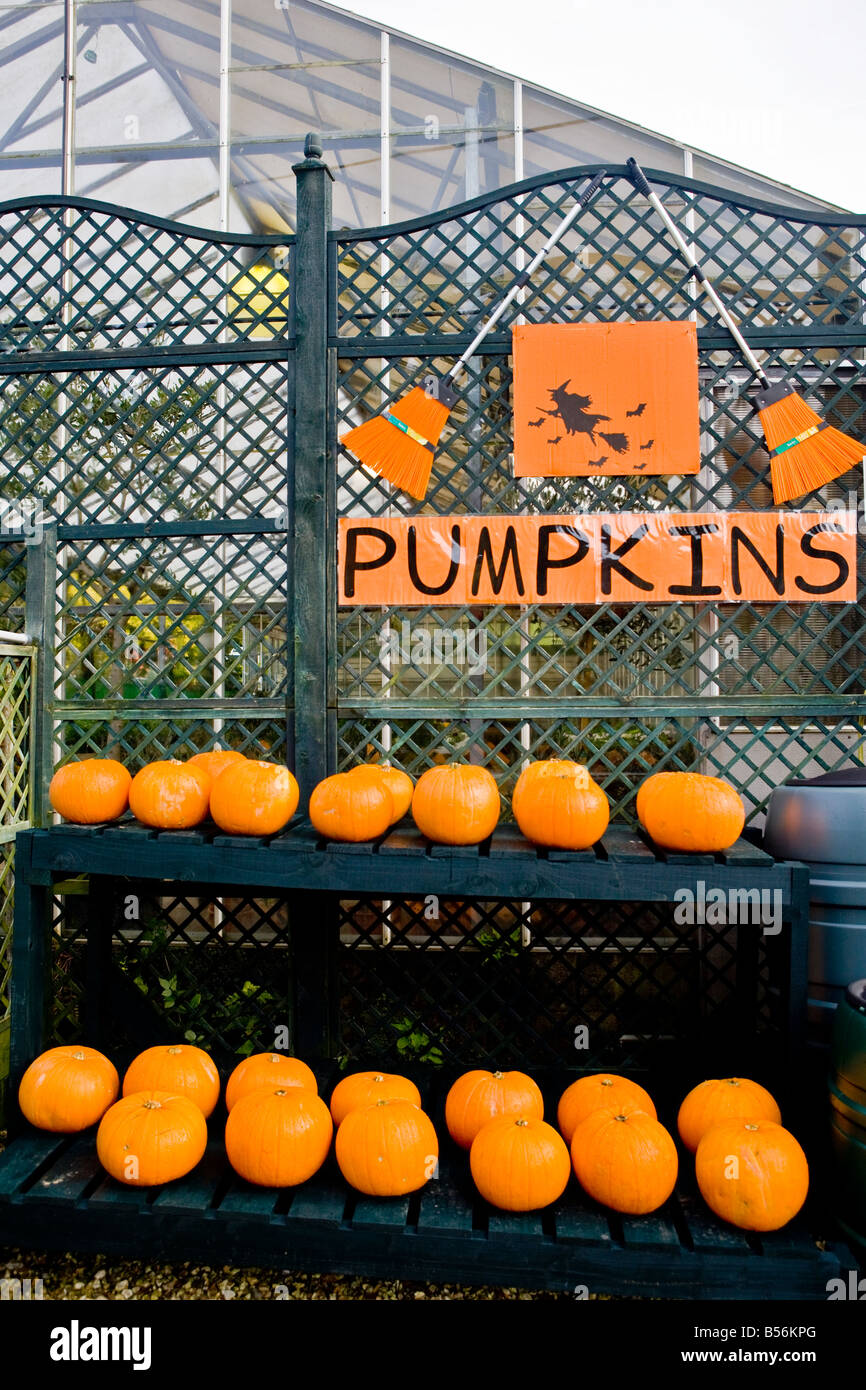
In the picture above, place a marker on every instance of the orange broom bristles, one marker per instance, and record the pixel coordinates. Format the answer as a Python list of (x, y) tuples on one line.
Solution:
[(805, 452), (403, 452)]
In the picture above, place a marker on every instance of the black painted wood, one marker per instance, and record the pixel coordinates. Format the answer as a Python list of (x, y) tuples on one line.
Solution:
[(60, 1202), (403, 864)]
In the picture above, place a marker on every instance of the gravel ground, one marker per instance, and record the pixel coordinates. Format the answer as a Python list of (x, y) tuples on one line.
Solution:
[(66, 1276)]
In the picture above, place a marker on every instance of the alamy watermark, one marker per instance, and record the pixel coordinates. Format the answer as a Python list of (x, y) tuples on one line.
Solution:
[(411, 644), (21, 519), (757, 907)]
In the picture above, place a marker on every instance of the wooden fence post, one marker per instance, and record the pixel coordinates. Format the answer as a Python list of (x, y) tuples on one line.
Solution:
[(312, 588), (312, 548)]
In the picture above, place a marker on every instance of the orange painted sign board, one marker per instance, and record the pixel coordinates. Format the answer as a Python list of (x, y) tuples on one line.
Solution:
[(595, 558), (605, 398)]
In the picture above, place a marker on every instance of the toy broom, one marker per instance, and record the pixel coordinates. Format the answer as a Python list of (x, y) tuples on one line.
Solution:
[(805, 452), (399, 443)]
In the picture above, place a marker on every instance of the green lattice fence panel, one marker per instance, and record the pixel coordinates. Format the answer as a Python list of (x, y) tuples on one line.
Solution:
[(88, 276), (214, 970), (17, 677), (502, 684), (610, 984)]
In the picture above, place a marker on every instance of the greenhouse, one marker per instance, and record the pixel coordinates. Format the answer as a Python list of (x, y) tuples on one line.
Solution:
[(430, 565)]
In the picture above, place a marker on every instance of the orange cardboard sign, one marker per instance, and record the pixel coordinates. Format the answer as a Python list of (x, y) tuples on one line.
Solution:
[(605, 398), (594, 558)]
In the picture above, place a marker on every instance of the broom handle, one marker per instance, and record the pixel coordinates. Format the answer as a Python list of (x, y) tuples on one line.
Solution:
[(589, 191), (639, 179)]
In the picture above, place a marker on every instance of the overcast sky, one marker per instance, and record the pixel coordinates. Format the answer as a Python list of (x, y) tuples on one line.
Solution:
[(776, 87)]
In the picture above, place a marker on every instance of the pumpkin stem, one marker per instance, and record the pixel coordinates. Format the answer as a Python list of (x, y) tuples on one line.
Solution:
[(622, 1118), (151, 1105), (377, 1079), (751, 1127), (498, 1075), (732, 1081), (607, 1082), (174, 1051), (279, 1093), (274, 1057), (79, 1056), (524, 1124)]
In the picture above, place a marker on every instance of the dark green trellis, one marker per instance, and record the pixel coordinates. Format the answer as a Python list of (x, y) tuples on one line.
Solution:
[(184, 436)]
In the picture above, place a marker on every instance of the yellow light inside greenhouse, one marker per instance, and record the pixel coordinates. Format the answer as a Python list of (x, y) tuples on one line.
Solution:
[(260, 296)]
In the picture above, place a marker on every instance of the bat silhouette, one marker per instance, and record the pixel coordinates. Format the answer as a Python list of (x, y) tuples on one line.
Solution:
[(596, 463), (536, 424), (640, 465), (556, 440), (630, 414), (648, 445), (570, 409), (617, 442)]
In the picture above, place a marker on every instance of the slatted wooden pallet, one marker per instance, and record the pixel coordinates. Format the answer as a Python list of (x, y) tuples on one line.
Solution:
[(623, 865), (53, 1194)]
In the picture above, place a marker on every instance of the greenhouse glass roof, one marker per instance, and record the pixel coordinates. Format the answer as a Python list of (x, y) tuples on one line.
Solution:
[(196, 109)]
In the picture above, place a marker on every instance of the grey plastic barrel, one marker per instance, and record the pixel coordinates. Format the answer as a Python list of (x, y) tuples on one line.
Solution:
[(824, 825)]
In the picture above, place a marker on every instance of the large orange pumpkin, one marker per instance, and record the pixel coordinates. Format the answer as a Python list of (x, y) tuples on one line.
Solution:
[(399, 784), (254, 798), (556, 803), (648, 787), (626, 1161), (367, 1087), (90, 791), (170, 795), (350, 806), (387, 1149), (687, 811), (179, 1068), (215, 761), (519, 1163), (268, 1071), (731, 1099), (66, 1089), (600, 1092), (456, 804), (151, 1137), (752, 1173), (280, 1137), (479, 1096)]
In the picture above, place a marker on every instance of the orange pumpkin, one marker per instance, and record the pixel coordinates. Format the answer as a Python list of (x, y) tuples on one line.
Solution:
[(90, 791), (151, 1137), (556, 803), (215, 761), (600, 1092), (655, 782), (731, 1099), (752, 1173), (519, 1163), (181, 1069), (351, 807), (268, 1071), (170, 795), (367, 1087), (254, 798), (387, 1149), (67, 1089), (479, 1096), (626, 1161), (456, 804), (687, 811), (279, 1137), (399, 784)]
